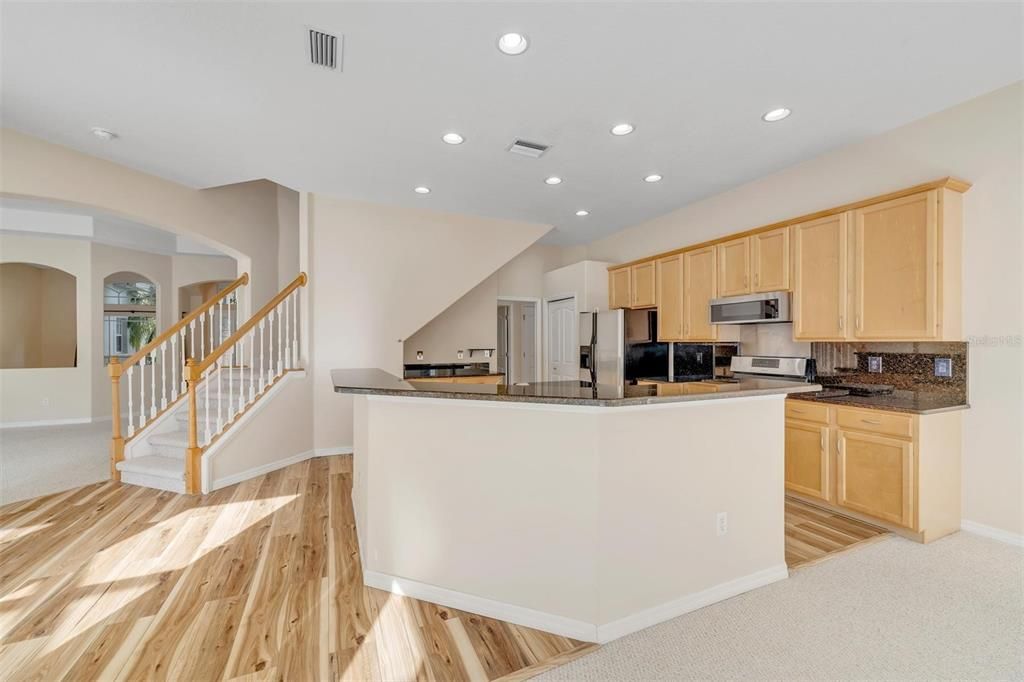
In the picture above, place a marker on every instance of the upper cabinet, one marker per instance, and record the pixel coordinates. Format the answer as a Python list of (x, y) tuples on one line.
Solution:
[(670, 298), (734, 267), (698, 290), (896, 269), (820, 279), (619, 292), (769, 257), (643, 278)]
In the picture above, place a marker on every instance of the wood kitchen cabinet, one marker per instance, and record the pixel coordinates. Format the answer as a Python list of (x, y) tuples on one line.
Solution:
[(619, 291), (699, 287), (820, 278), (769, 259), (734, 267), (643, 280), (896, 269), (895, 469), (670, 298)]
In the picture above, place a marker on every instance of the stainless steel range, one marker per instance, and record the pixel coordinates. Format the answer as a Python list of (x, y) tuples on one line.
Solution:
[(768, 367)]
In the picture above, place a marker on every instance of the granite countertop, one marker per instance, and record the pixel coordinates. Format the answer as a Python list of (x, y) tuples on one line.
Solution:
[(454, 374), (913, 402), (378, 382)]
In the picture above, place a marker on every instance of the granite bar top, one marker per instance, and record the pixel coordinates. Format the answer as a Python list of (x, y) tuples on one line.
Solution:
[(378, 382), (913, 402)]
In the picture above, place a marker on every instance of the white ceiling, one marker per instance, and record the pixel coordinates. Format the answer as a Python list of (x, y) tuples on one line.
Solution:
[(217, 93)]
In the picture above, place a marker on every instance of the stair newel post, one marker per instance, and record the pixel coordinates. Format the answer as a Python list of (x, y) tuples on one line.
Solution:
[(117, 440), (193, 455)]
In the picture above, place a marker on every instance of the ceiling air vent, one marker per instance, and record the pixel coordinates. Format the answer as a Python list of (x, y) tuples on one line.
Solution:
[(324, 49), (531, 149)]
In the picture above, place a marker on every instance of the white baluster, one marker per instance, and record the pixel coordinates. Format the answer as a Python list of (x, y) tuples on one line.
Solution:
[(174, 367), (131, 415), (287, 336), (181, 365), (206, 428), (240, 350), (295, 328), (142, 393), (220, 327), (270, 347), (212, 346), (252, 365), (163, 375), (202, 338), (261, 356), (152, 384), (280, 354), (220, 398), (191, 342)]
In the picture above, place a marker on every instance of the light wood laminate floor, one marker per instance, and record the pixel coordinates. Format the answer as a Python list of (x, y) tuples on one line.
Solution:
[(813, 534), (261, 579)]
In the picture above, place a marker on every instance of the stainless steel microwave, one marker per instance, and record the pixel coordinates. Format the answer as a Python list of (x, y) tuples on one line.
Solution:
[(772, 306)]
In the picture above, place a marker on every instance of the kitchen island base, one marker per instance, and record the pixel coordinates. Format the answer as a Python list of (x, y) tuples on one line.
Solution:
[(586, 521)]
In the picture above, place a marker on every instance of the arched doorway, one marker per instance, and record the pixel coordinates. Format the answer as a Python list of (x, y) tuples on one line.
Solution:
[(129, 314), (38, 317)]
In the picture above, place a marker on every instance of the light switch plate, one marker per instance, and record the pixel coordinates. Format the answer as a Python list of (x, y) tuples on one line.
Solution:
[(419, 355), (460, 355), (875, 364), (944, 367)]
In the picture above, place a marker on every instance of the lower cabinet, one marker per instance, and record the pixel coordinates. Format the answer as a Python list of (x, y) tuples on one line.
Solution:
[(896, 469)]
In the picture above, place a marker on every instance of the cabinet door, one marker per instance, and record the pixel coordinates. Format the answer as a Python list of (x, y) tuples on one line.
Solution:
[(820, 279), (896, 269), (698, 290), (619, 294), (670, 298), (769, 252), (807, 458), (875, 476), (734, 267), (644, 285)]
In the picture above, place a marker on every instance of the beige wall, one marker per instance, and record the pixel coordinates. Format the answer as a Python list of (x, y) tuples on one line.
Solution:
[(287, 236), (240, 220), (37, 317), (59, 393), (191, 269), (980, 141), (380, 273), (470, 322)]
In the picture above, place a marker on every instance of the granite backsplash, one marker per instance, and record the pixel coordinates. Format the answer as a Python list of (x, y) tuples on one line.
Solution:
[(907, 366)]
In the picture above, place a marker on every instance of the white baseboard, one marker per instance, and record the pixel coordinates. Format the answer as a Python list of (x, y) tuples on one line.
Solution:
[(340, 450), (49, 422), (510, 613), (690, 602), (278, 464), (992, 532), (568, 627)]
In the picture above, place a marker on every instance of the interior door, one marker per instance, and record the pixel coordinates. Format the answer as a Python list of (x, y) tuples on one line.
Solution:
[(504, 364), (562, 345), (528, 345)]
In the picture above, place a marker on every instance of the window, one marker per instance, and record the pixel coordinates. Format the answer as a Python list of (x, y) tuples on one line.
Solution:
[(129, 314)]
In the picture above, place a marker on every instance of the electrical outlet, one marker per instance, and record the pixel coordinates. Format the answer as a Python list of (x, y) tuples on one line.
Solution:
[(460, 354), (487, 353), (722, 523), (45, 402), (419, 355), (875, 364), (944, 367)]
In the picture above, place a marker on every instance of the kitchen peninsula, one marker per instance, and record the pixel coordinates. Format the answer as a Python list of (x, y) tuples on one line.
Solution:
[(591, 512)]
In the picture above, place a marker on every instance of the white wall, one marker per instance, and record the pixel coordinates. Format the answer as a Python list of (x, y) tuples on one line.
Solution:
[(470, 322), (190, 269), (287, 236), (377, 275), (980, 141), (54, 393)]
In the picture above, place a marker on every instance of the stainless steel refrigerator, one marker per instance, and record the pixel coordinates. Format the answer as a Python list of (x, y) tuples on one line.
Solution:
[(621, 345)]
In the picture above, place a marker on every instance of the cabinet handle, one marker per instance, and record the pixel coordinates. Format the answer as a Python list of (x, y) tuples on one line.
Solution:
[(871, 421), (793, 409), (757, 278), (857, 322), (823, 441), (840, 323)]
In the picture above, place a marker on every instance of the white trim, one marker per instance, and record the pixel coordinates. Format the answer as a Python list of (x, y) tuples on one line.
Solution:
[(690, 602), (262, 469), (992, 532), (545, 302), (510, 613), (663, 404), (328, 452), (50, 422), (538, 341), (570, 627)]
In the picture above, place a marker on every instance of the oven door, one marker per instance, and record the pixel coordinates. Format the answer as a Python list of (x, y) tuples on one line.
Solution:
[(753, 309)]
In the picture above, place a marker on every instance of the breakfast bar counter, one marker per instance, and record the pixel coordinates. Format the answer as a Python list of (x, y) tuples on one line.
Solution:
[(587, 512)]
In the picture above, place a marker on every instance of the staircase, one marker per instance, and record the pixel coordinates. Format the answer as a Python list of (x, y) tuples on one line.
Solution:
[(215, 374)]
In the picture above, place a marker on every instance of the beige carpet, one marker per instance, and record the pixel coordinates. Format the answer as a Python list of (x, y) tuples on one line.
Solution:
[(892, 610), (42, 460)]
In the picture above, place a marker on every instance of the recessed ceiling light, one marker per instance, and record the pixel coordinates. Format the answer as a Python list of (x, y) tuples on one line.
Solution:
[(453, 138), (653, 177), (776, 115), (104, 134), (581, 213), (422, 190), (513, 43), (622, 129), (553, 180)]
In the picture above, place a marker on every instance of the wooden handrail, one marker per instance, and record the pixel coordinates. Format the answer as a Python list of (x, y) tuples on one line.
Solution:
[(199, 369), (175, 328)]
